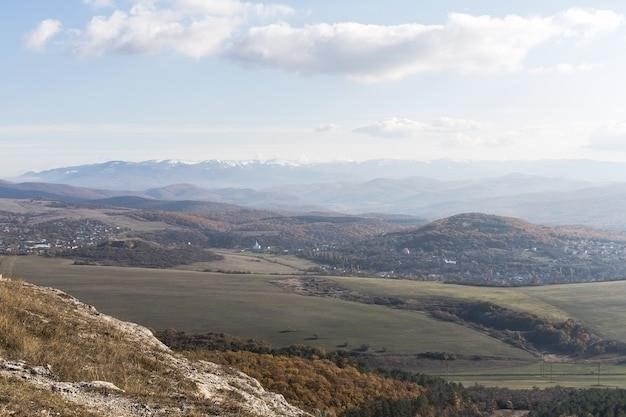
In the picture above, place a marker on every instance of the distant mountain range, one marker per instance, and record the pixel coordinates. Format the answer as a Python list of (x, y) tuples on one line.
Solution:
[(140, 176), (538, 199), (573, 193)]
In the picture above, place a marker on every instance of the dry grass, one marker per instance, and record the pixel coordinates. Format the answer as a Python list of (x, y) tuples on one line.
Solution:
[(20, 399), (253, 263), (42, 328)]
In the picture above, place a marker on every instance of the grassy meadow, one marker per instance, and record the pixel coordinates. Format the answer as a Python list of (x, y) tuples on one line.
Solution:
[(600, 306), (252, 306)]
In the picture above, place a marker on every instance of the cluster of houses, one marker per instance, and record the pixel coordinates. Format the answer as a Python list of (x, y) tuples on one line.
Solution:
[(586, 248), (19, 237), (258, 248)]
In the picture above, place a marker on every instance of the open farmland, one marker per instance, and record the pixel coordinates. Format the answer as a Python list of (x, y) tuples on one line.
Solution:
[(519, 298), (250, 262), (252, 306), (546, 375), (233, 303), (600, 306)]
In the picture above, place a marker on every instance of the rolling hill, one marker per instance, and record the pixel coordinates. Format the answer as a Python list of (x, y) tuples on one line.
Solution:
[(241, 196), (54, 192), (488, 249), (62, 227), (551, 200)]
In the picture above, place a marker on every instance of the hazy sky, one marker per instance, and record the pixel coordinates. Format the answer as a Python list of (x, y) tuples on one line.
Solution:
[(94, 80)]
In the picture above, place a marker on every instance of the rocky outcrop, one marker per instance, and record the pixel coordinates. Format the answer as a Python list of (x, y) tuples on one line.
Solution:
[(225, 391)]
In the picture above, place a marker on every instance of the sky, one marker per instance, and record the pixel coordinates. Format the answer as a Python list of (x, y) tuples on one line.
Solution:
[(86, 81)]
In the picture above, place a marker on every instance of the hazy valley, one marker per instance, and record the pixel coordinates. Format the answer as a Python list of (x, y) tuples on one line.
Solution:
[(178, 257), (238, 208), (547, 192)]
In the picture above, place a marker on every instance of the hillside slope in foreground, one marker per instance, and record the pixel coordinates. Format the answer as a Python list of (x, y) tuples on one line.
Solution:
[(61, 357)]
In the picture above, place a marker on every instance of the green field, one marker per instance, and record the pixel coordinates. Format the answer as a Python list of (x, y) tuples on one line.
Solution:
[(599, 306), (533, 375), (514, 298), (252, 306)]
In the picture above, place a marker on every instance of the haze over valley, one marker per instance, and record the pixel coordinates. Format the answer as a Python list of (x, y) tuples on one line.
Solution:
[(241, 208), (557, 192)]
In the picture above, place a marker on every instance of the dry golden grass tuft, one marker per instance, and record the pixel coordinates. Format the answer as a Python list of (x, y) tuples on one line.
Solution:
[(41, 328), (45, 327)]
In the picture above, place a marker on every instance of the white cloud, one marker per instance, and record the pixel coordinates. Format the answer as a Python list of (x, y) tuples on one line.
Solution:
[(99, 3), (465, 43), (397, 127), (42, 34), (149, 30), (327, 127), (444, 131), (234, 7), (194, 28), (589, 22), (394, 127)]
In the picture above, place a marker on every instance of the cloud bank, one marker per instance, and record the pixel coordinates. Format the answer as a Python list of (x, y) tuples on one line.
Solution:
[(257, 34), (443, 131), (193, 28), (465, 43)]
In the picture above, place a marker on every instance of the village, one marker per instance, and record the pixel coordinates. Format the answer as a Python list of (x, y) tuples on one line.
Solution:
[(20, 235), (573, 260)]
